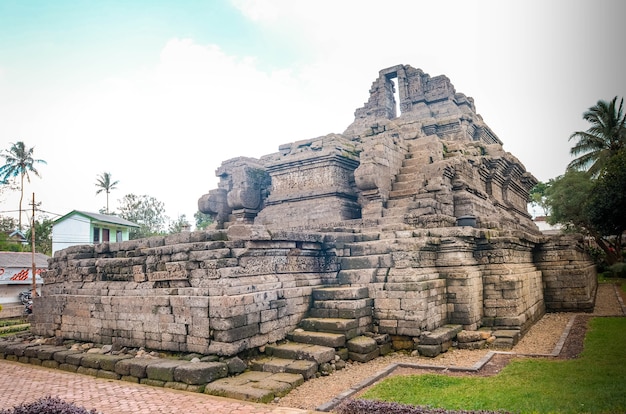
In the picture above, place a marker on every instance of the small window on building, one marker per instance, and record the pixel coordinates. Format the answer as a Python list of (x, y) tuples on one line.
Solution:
[(105, 235), (96, 234), (118, 236)]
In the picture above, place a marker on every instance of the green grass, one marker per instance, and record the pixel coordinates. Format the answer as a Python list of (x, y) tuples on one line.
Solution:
[(10, 322), (593, 383), (12, 326), (13, 329)]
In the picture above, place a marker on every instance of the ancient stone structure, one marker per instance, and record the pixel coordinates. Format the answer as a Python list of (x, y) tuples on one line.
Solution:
[(409, 227)]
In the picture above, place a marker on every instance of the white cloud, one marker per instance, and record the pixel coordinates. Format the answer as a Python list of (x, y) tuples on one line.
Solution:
[(164, 129)]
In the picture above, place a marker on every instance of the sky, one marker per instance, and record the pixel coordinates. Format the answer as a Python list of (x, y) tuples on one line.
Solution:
[(159, 93)]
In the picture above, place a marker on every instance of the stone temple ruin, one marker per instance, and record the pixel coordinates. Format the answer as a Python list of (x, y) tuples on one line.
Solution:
[(406, 229)]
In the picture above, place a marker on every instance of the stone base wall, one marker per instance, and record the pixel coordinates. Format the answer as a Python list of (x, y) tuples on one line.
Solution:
[(512, 283), (224, 292), (215, 292), (569, 276)]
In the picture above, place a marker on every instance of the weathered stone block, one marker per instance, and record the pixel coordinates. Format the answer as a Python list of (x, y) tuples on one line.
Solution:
[(361, 345), (440, 335), (200, 372), (469, 336), (364, 357), (163, 370), (429, 350), (137, 367)]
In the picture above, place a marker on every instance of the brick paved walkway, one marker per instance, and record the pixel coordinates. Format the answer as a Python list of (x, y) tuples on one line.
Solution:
[(22, 383)]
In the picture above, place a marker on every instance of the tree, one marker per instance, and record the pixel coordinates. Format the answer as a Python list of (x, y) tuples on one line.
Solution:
[(43, 236), (202, 220), (19, 161), (538, 196), (146, 211), (7, 226), (104, 183), (567, 197), (606, 208), (605, 137), (179, 225)]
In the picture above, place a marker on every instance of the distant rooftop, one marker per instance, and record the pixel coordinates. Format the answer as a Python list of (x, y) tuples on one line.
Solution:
[(104, 218)]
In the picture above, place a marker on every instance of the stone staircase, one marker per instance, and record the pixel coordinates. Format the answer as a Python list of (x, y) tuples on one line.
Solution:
[(410, 191), (338, 328)]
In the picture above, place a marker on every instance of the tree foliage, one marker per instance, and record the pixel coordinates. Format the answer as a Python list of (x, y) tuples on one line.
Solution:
[(606, 207), (605, 137), (591, 196), (538, 197), (202, 220), (567, 196), (179, 225), (19, 161), (43, 235), (7, 226), (146, 211), (104, 183)]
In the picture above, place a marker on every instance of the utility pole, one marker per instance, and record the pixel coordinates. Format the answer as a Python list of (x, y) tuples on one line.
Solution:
[(32, 237)]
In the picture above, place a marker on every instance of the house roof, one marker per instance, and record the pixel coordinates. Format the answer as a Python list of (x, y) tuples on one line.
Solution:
[(18, 234), (23, 259), (102, 218)]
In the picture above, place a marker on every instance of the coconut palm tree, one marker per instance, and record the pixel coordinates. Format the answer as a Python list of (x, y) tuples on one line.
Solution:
[(19, 161), (105, 184), (605, 137)]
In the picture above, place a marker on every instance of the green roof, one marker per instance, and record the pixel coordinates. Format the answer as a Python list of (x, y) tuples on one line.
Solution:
[(102, 218)]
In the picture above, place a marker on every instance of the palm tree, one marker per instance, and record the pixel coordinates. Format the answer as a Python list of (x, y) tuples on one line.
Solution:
[(105, 184), (19, 161), (605, 137)]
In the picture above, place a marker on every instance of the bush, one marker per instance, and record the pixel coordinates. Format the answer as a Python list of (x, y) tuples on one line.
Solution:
[(380, 407), (48, 405), (617, 270)]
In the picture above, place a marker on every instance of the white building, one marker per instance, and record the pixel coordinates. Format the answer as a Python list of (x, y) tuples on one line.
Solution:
[(81, 227), (544, 227)]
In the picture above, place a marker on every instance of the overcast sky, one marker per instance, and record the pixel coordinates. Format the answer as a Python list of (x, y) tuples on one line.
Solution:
[(159, 93)]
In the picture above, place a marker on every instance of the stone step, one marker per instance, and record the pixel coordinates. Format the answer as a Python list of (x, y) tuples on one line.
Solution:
[(255, 386), (415, 170), (412, 161), (341, 293), (402, 202), (344, 304), (394, 194), (329, 339), (440, 335), (348, 327), (306, 368), (340, 313), (358, 277), (298, 351), (404, 177), (412, 185)]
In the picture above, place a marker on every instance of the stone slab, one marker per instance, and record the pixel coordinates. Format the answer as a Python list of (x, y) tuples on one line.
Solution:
[(329, 339), (197, 373), (293, 350)]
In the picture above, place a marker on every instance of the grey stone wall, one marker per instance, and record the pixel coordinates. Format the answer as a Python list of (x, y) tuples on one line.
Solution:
[(217, 292), (569, 276)]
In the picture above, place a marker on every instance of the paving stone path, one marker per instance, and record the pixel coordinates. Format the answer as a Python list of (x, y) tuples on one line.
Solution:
[(23, 383)]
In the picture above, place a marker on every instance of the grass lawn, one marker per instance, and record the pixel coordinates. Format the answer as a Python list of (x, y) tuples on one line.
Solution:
[(593, 383)]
